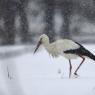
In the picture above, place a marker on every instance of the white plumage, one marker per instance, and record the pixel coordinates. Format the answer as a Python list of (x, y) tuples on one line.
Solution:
[(65, 47), (58, 47)]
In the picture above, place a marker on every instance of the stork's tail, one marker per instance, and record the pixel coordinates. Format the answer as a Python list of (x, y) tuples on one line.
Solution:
[(86, 52), (90, 55)]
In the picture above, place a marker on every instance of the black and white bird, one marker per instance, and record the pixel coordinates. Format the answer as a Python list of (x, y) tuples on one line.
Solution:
[(67, 48)]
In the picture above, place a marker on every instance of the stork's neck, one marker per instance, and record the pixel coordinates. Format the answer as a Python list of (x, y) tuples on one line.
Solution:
[(46, 45)]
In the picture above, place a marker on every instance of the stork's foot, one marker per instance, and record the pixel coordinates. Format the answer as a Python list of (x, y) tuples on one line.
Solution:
[(76, 75), (70, 76)]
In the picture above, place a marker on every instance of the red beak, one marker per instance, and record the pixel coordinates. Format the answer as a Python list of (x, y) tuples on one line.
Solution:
[(38, 45)]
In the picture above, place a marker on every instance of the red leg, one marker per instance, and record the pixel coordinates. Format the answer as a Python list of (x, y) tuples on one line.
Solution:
[(70, 68), (83, 59)]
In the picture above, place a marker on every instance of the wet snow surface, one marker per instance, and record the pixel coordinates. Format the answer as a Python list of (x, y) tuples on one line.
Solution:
[(40, 74)]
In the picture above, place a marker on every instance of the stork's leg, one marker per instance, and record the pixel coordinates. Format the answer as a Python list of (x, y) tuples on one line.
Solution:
[(70, 68), (83, 59)]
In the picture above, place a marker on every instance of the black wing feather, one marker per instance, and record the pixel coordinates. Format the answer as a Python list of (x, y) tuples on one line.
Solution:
[(81, 51)]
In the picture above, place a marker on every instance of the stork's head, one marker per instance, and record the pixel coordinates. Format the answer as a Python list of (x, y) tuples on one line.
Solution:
[(43, 40)]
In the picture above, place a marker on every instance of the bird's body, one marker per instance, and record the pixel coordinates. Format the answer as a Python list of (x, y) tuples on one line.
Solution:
[(58, 48), (67, 48)]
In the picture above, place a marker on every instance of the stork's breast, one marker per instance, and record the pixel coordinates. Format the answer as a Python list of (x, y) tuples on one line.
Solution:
[(54, 52), (70, 56)]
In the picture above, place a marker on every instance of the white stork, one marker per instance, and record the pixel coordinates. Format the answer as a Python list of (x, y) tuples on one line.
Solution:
[(67, 48)]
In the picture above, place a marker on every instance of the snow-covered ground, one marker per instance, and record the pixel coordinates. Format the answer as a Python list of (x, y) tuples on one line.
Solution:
[(40, 74)]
